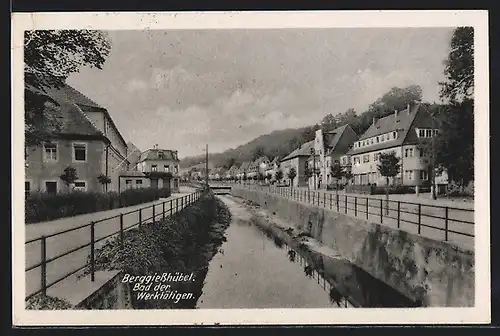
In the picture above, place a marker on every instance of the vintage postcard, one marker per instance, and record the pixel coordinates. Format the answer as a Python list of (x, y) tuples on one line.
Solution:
[(250, 168)]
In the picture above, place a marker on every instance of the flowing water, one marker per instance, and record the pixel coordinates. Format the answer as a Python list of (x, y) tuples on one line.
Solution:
[(258, 269)]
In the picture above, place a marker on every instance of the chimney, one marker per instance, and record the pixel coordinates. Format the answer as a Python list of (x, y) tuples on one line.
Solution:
[(408, 107), (395, 114), (374, 120)]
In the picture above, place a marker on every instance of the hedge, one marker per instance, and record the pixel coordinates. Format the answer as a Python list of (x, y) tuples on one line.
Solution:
[(43, 207)]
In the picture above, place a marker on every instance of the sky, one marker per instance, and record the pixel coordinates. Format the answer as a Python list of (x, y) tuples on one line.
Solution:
[(182, 89)]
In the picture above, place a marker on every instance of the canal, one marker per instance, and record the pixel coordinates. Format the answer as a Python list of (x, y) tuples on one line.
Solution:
[(262, 268)]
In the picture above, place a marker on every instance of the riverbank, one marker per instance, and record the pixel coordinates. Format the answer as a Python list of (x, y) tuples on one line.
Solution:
[(182, 244)]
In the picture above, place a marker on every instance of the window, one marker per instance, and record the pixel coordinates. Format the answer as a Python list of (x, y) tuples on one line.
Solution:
[(435, 132), (394, 135), (371, 141), (366, 158), (27, 187), (154, 168), (128, 184), (428, 133), (378, 139), (406, 152), (424, 175), (166, 168), (80, 186), (411, 152), (51, 187), (79, 152), (409, 174), (375, 156), (138, 183), (421, 150), (50, 150), (421, 133), (176, 169)]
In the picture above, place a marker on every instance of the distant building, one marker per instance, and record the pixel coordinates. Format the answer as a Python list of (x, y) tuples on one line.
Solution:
[(329, 147), (298, 160), (88, 140), (243, 170), (271, 169), (258, 166), (157, 160), (407, 134), (232, 172)]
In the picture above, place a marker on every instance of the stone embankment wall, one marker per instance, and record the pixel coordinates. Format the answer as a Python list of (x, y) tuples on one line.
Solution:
[(435, 273)]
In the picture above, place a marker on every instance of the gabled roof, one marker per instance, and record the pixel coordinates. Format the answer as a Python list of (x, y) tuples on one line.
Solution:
[(69, 93), (158, 155), (71, 119), (400, 123), (244, 166), (303, 150), (258, 161), (332, 138), (275, 160)]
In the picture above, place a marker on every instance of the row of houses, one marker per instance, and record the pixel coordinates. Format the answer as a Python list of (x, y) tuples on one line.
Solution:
[(88, 140), (406, 132)]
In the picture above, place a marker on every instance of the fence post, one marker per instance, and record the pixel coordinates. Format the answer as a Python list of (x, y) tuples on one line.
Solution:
[(43, 271), (356, 206), (92, 255), (399, 213), (163, 210), (419, 216), (337, 200), (381, 211), (171, 208), (446, 224), (176, 205), (140, 217), (345, 204), (314, 195), (308, 196), (324, 200), (367, 209), (318, 198), (121, 230), (154, 215), (330, 201)]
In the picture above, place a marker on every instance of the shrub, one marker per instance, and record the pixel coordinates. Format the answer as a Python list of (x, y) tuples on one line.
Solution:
[(398, 189), (42, 206)]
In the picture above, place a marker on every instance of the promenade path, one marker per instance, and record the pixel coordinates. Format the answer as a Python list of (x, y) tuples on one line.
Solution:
[(62, 243), (434, 217)]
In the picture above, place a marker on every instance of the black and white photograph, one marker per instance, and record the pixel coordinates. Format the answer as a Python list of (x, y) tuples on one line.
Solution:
[(287, 168)]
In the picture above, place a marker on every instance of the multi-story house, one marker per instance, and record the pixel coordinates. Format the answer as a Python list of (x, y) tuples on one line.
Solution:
[(88, 141), (298, 160), (258, 166), (232, 172), (406, 133), (157, 160), (243, 170), (329, 147)]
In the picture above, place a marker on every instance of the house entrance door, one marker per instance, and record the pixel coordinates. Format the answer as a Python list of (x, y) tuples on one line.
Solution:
[(154, 183)]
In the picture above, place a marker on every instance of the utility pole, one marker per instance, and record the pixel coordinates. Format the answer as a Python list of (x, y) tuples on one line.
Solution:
[(206, 165), (433, 159)]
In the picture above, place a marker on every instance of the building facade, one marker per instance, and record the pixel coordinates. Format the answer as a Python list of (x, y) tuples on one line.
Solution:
[(87, 141), (407, 133), (297, 160), (161, 160)]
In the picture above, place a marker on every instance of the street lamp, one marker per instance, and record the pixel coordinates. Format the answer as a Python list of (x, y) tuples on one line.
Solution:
[(314, 167)]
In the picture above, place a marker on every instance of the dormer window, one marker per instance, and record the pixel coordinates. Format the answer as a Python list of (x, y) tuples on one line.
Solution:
[(378, 139), (394, 135)]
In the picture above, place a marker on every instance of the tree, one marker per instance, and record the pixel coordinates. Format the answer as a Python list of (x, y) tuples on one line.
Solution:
[(50, 56), (104, 180), (459, 66), (292, 173), (455, 141), (69, 176), (269, 176), (308, 174), (260, 177), (336, 172), (278, 175), (388, 166), (258, 152)]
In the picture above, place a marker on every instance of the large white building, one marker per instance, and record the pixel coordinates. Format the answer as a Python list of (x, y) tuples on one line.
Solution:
[(406, 133)]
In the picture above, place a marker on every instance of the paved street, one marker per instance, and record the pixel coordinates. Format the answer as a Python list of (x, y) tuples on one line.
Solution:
[(430, 214), (60, 244)]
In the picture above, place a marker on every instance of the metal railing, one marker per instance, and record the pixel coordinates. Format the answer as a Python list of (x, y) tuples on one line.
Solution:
[(167, 209), (444, 219)]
